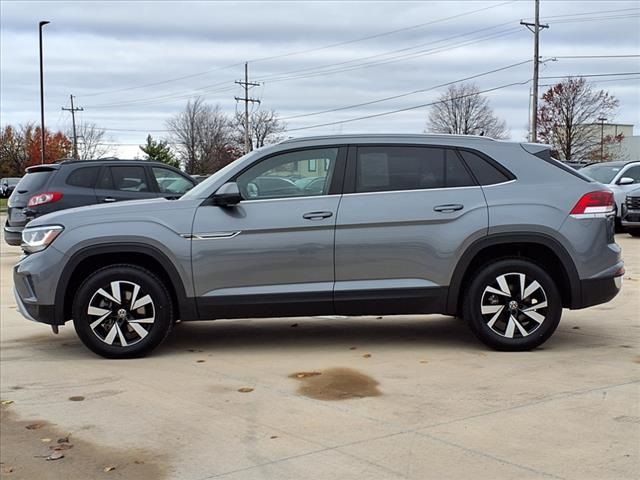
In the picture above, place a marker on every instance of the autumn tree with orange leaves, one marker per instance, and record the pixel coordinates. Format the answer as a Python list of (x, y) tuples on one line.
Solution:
[(20, 148)]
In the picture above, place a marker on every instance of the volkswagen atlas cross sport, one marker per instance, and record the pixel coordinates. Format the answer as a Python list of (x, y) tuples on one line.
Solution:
[(494, 232)]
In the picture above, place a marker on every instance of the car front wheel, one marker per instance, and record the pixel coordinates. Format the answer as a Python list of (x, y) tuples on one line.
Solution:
[(512, 305), (122, 311)]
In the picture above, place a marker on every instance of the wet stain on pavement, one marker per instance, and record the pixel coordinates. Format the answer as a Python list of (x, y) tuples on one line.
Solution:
[(25, 452), (336, 384)]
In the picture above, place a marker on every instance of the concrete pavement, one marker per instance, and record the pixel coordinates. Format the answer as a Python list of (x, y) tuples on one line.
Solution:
[(242, 399)]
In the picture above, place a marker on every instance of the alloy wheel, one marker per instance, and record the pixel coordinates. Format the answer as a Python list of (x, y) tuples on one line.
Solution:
[(121, 314), (514, 305)]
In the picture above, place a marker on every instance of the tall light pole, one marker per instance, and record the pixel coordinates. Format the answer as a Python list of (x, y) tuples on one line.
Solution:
[(40, 25)]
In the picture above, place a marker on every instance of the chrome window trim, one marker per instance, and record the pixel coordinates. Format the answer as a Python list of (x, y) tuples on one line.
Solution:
[(288, 198)]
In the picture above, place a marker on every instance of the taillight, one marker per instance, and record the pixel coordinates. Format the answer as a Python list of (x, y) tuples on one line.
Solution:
[(601, 202), (43, 198)]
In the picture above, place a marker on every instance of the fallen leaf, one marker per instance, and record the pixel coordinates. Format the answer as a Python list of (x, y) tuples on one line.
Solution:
[(307, 374), (294, 325), (273, 436), (76, 398), (109, 468), (378, 318), (7, 470), (35, 426), (367, 355), (6, 402), (245, 389), (64, 439), (55, 456), (138, 462), (45, 440), (353, 348), (61, 446), (575, 328), (423, 361), (200, 361)]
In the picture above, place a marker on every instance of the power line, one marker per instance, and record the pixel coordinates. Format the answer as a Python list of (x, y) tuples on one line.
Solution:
[(273, 57), (406, 108), (393, 97)]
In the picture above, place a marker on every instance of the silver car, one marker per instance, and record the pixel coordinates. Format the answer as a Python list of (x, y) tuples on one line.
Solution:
[(495, 232), (621, 177)]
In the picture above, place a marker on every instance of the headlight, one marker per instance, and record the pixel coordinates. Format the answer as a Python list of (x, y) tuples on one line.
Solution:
[(36, 239)]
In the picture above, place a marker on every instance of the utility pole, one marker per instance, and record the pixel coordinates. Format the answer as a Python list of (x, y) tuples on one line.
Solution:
[(602, 120), (535, 28), (42, 130), (246, 84), (73, 111)]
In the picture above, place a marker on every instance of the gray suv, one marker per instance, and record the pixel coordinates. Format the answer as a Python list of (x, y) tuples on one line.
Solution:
[(495, 232)]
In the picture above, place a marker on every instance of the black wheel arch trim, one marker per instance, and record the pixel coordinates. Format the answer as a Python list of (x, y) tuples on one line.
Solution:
[(186, 307), (457, 279)]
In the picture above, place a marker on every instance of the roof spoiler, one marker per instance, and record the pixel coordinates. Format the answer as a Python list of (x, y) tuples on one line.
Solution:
[(47, 167), (540, 150)]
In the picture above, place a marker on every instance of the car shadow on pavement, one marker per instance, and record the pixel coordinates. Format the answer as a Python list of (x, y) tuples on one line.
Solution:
[(281, 334)]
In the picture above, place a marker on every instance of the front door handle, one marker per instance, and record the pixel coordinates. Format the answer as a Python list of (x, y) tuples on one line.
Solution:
[(453, 207), (108, 199), (317, 215)]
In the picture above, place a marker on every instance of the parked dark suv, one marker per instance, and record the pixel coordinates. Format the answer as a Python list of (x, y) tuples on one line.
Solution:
[(75, 183)]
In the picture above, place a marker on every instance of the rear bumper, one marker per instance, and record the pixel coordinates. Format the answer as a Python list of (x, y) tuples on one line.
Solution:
[(600, 290)]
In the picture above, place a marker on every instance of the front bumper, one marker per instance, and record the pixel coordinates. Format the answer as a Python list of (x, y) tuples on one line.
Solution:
[(13, 235), (630, 218)]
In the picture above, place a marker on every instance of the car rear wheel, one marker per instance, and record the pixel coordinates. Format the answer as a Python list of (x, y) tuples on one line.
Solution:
[(122, 311), (512, 305)]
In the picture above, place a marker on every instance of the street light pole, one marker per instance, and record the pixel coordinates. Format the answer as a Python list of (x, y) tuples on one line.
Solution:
[(42, 140)]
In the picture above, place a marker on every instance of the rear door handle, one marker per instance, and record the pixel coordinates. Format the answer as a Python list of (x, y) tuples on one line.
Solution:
[(108, 199), (453, 207), (317, 215)]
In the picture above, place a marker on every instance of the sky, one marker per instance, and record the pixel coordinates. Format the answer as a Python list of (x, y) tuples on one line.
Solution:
[(322, 66)]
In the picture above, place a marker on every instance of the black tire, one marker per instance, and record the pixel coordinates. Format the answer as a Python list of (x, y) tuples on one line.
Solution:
[(121, 333), (512, 329), (634, 232)]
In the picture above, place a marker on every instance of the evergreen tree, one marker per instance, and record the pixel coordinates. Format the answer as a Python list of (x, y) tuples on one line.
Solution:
[(159, 151)]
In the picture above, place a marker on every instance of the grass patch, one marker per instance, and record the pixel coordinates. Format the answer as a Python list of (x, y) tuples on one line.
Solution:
[(3, 205)]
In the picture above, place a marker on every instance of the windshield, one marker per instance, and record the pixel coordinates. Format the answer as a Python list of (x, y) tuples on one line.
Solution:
[(601, 173), (201, 189)]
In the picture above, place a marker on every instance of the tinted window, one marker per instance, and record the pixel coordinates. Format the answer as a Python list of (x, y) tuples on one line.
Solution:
[(83, 177), (171, 182), (125, 178), (32, 182), (286, 175), (409, 168), (485, 173), (632, 172)]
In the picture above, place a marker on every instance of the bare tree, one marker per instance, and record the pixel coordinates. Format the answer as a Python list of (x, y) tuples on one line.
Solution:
[(462, 110), (203, 137), (91, 141), (569, 119), (264, 128)]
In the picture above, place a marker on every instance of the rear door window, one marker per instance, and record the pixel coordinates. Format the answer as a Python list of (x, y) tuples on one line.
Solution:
[(391, 168), (170, 182), (124, 179)]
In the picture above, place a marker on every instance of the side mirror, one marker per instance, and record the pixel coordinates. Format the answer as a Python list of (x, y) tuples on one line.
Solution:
[(626, 181), (227, 195)]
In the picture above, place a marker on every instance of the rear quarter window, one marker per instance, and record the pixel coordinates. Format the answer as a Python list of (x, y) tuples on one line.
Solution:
[(485, 172), (84, 177)]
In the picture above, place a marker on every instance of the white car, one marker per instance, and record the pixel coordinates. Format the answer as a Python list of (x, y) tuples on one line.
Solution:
[(620, 177)]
